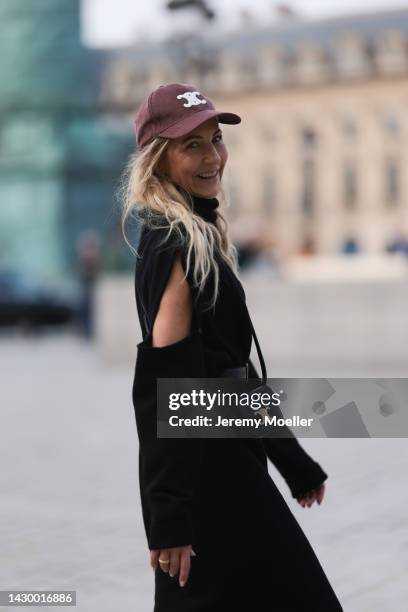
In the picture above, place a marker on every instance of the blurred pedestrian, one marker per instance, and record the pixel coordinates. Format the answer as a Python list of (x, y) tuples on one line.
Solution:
[(89, 263), (350, 246), (398, 245)]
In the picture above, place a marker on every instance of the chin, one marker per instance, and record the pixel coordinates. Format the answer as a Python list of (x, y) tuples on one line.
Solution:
[(208, 193)]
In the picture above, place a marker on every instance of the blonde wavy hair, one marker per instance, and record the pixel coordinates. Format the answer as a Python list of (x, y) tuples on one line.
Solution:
[(147, 194)]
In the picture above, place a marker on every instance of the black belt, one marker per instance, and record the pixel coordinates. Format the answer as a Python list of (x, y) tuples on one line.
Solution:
[(242, 372)]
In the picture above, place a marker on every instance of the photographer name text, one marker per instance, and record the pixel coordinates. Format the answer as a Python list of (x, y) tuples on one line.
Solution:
[(274, 421)]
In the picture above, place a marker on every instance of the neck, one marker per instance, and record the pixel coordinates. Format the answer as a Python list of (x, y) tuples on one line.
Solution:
[(206, 208)]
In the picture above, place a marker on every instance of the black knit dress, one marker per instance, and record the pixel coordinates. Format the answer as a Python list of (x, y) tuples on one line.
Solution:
[(217, 494)]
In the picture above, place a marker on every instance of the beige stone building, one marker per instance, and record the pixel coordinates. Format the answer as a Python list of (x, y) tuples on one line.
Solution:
[(321, 157)]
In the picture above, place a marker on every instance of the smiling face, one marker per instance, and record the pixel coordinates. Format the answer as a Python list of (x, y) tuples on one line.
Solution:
[(196, 161)]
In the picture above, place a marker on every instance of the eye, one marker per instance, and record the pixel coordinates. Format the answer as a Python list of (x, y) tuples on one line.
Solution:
[(194, 144)]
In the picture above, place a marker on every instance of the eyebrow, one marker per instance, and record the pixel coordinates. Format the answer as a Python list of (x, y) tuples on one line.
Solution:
[(187, 138)]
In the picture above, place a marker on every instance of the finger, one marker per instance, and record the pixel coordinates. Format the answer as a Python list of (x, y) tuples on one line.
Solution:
[(164, 558), (314, 496), (185, 564), (154, 555), (320, 494), (311, 499), (305, 500), (317, 494), (174, 562)]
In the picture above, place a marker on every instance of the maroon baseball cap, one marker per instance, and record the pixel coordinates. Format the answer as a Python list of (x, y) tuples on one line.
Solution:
[(174, 110)]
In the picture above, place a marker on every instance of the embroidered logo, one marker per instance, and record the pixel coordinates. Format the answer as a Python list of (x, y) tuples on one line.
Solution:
[(191, 98)]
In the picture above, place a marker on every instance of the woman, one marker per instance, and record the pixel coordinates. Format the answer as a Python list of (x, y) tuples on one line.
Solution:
[(221, 536)]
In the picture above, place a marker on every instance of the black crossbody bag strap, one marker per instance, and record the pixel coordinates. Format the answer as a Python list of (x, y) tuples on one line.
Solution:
[(260, 356), (258, 348), (199, 317)]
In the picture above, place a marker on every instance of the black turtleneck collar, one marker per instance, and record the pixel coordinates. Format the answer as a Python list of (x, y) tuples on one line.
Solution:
[(205, 207)]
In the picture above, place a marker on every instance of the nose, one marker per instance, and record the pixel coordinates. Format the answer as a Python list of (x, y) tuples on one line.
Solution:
[(211, 155)]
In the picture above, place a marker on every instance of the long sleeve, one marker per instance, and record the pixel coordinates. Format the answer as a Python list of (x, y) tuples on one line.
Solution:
[(299, 470), (168, 468)]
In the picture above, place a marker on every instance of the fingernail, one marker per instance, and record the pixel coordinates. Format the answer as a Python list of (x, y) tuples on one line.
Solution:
[(193, 554), (182, 583), (171, 575)]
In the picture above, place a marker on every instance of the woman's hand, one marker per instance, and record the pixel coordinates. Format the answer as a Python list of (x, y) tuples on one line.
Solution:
[(311, 496), (172, 560)]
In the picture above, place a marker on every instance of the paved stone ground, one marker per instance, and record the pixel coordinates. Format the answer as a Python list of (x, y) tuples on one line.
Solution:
[(70, 515)]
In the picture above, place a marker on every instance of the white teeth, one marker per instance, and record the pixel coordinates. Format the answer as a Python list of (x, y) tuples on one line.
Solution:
[(208, 175)]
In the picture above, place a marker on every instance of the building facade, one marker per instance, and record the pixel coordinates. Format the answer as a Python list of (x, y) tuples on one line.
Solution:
[(320, 160), (319, 163)]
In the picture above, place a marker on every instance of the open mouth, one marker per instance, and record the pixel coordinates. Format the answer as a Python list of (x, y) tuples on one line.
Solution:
[(208, 176)]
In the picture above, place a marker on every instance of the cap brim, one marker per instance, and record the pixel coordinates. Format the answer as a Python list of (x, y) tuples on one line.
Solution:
[(187, 124)]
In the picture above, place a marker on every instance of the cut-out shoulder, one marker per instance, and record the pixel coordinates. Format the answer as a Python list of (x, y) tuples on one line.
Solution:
[(224, 330), (174, 316)]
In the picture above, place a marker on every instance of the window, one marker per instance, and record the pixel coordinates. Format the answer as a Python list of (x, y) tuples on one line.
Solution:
[(391, 182), (352, 56), (308, 188), (312, 64), (309, 149), (391, 53), (350, 184), (391, 124), (268, 191), (309, 138), (349, 128)]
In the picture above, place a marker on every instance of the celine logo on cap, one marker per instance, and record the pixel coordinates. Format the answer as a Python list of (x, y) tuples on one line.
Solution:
[(191, 98)]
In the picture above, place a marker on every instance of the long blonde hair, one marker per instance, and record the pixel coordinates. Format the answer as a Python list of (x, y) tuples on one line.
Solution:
[(147, 194)]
